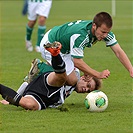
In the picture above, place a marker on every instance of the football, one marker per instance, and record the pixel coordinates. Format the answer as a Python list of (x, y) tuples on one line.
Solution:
[(96, 101)]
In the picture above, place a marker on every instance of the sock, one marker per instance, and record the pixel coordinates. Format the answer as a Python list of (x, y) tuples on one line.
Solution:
[(40, 34), (28, 32), (58, 64), (10, 95)]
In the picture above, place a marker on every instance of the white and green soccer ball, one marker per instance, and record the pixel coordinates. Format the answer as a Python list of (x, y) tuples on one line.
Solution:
[(96, 101)]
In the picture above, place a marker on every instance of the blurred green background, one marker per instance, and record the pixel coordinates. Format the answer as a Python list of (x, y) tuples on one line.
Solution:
[(15, 63)]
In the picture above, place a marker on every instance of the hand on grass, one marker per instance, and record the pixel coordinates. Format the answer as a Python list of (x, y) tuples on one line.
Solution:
[(4, 102)]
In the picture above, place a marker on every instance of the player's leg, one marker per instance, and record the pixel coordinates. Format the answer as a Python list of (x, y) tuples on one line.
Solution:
[(71, 76), (43, 10), (55, 79), (37, 68), (70, 70), (22, 88), (40, 34), (58, 77), (34, 71), (44, 53), (29, 30), (16, 99), (71, 79), (29, 102), (20, 91), (10, 95), (32, 16)]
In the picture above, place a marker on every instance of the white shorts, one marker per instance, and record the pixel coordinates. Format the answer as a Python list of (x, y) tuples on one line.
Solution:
[(47, 56), (38, 8)]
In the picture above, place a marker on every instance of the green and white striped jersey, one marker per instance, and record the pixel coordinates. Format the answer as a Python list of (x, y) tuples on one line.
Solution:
[(75, 36)]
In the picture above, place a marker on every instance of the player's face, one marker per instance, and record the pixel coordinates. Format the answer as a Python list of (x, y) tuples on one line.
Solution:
[(100, 32), (83, 86)]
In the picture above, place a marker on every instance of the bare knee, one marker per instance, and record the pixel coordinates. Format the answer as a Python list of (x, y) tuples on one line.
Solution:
[(31, 23), (62, 78), (41, 20), (71, 81)]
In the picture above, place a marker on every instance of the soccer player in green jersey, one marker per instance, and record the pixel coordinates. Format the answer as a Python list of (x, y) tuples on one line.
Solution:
[(75, 36)]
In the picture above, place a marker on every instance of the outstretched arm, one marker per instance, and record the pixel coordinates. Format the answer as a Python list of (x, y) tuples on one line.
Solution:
[(121, 55), (81, 65)]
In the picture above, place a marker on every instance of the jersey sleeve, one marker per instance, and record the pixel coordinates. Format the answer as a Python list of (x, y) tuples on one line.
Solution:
[(77, 53), (77, 48), (110, 40)]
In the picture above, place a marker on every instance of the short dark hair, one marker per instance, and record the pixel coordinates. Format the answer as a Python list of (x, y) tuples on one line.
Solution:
[(98, 83), (103, 18)]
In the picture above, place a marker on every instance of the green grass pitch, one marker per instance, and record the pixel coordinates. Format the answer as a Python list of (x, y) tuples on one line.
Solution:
[(15, 63)]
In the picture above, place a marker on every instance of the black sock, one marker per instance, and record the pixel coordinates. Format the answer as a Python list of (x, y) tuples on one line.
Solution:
[(58, 64), (10, 95)]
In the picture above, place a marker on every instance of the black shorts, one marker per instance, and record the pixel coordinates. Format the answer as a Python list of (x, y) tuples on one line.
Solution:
[(46, 95)]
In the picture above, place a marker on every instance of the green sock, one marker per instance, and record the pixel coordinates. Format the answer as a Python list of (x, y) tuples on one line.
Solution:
[(41, 31), (28, 32)]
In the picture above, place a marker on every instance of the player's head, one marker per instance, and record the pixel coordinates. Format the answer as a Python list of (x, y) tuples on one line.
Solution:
[(84, 86), (103, 18), (102, 24)]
